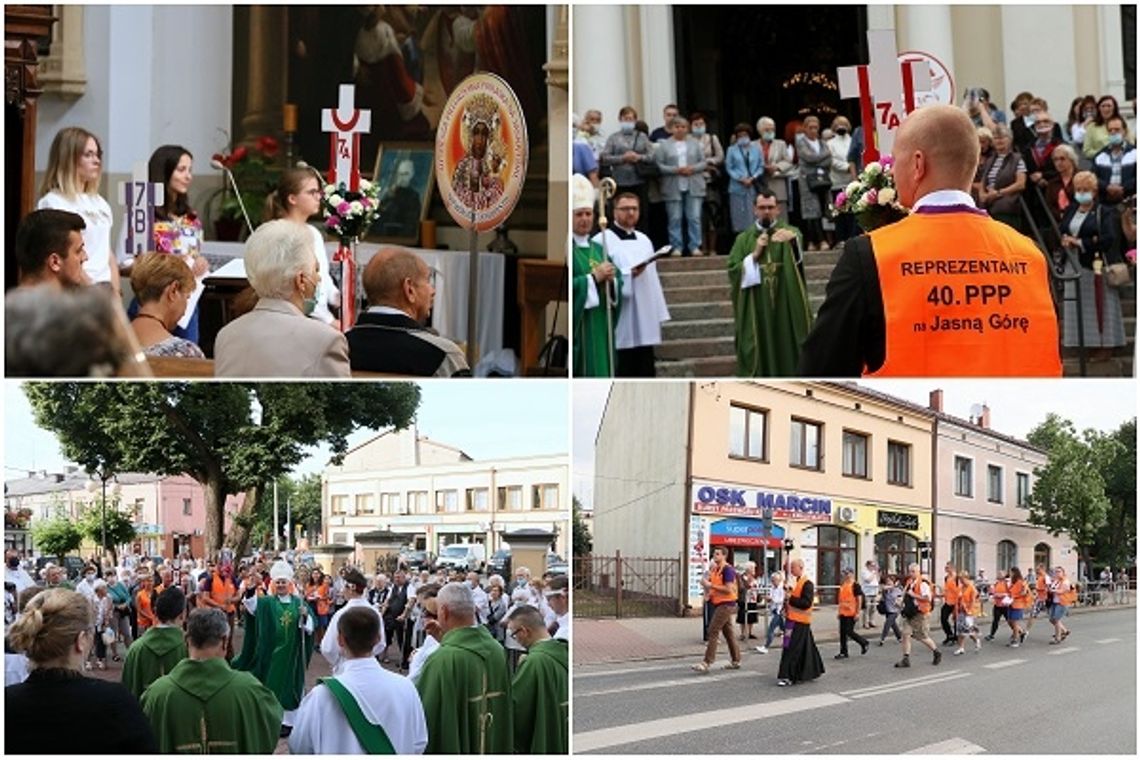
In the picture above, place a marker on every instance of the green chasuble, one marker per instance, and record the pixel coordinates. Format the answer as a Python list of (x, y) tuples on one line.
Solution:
[(541, 699), (591, 349), (466, 694), (773, 318), (205, 707), (248, 655), (153, 655), (283, 649)]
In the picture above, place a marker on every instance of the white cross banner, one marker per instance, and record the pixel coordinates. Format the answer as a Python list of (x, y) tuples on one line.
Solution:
[(345, 123)]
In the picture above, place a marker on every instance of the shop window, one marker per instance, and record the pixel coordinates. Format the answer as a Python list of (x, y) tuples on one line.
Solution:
[(835, 551), (854, 454), (805, 445), (895, 551), (963, 554), (747, 433), (964, 477)]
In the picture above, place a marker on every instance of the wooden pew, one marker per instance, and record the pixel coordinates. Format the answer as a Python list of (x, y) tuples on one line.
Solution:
[(173, 367)]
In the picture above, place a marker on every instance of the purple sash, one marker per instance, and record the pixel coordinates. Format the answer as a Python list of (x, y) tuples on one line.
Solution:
[(957, 208)]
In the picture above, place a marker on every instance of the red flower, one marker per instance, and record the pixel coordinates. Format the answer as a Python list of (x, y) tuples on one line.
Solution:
[(238, 155), (219, 157), (268, 146)]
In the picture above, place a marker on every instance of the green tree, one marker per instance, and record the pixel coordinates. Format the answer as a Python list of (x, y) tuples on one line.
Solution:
[(304, 495), (1116, 541), (230, 437), (583, 541), (57, 536), (120, 527), (1069, 493)]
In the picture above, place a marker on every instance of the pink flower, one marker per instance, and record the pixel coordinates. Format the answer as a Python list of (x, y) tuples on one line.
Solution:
[(366, 203), (1131, 256), (872, 196), (332, 222), (887, 161), (344, 208), (841, 199)]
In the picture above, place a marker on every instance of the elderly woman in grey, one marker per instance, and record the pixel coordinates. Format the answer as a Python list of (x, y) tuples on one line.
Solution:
[(815, 181), (779, 163)]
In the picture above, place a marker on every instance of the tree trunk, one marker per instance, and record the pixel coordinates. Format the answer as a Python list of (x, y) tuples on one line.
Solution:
[(239, 533), (215, 515)]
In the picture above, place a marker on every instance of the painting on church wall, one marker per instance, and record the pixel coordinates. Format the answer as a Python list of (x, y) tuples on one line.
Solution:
[(406, 173), (405, 61)]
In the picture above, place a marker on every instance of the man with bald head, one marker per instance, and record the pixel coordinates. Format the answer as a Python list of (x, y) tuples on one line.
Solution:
[(945, 292), (390, 335)]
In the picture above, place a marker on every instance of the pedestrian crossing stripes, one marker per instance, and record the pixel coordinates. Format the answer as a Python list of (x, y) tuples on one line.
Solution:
[(955, 746), (1066, 650), (1106, 641), (625, 671), (1003, 664), (688, 681), (903, 687), (590, 741), (916, 681)]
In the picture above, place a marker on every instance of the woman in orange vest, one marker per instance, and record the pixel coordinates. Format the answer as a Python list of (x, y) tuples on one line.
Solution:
[(319, 597), (799, 660), (1022, 599), (1064, 596), (1001, 602), (967, 609), (850, 602), (144, 602), (1041, 595)]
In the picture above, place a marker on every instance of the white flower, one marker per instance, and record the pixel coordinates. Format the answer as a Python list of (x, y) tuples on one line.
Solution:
[(335, 200), (330, 189), (861, 204), (886, 195), (853, 188), (873, 168), (365, 185), (357, 207)]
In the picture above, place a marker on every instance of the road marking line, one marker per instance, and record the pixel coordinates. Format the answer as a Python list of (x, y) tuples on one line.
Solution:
[(626, 671), (1066, 650), (589, 741), (1106, 641), (1003, 664), (691, 681), (904, 687), (917, 679), (955, 746)]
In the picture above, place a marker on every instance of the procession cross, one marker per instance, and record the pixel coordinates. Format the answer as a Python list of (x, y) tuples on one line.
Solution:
[(140, 197), (345, 123), (486, 717), (885, 88)]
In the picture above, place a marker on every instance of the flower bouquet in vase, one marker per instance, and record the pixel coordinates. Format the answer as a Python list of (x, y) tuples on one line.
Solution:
[(349, 214), (872, 197)]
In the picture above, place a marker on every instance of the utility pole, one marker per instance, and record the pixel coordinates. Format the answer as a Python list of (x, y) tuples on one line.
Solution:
[(276, 527)]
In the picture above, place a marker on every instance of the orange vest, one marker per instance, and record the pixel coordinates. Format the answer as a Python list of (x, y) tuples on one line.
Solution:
[(1001, 588), (221, 591), (964, 295), (146, 615), (1067, 598), (848, 602), (950, 590), (1022, 597), (795, 614), (924, 605), (321, 592), (716, 578), (968, 599), (1042, 588)]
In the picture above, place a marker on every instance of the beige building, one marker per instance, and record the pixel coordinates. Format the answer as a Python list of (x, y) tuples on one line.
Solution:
[(436, 495)]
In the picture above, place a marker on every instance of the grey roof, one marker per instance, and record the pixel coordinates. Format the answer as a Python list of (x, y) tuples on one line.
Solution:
[(74, 481)]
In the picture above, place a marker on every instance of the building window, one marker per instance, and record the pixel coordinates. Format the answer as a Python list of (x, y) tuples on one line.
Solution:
[(835, 550), (339, 505), (365, 504), (340, 538), (805, 444), (898, 463), (447, 501), (545, 496), (963, 554), (854, 454), (964, 477), (747, 430), (1042, 556), (895, 551), (993, 484), (1006, 555), (187, 507), (390, 504), (1023, 489), (510, 499), (137, 509), (476, 499), (418, 502)]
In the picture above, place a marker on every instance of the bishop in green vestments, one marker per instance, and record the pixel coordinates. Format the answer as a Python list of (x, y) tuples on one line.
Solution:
[(593, 274), (769, 301), (205, 707), (541, 689), (464, 685), (156, 652)]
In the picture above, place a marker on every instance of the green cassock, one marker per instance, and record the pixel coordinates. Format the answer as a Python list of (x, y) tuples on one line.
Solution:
[(152, 656), (591, 348), (248, 654), (205, 707), (466, 694), (541, 699), (773, 318), (283, 649)]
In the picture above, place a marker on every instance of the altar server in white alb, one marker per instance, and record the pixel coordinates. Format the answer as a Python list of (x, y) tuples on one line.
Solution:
[(354, 588), (643, 306), (363, 709)]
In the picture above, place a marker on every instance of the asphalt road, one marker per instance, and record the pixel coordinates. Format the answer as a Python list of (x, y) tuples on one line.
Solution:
[(1077, 697)]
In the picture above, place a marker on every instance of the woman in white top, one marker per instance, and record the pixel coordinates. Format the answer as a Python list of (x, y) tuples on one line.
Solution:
[(298, 197), (71, 183), (776, 595), (842, 173)]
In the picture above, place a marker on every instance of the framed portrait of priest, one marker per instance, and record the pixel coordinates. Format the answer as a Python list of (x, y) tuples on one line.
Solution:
[(406, 173)]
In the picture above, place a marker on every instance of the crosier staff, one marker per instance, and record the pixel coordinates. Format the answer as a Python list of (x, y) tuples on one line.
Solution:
[(607, 188)]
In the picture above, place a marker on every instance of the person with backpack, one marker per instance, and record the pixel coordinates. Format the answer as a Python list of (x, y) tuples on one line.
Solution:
[(850, 598), (967, 610), (890, 605), (918, 601), (1001, 599), (1021, 595)]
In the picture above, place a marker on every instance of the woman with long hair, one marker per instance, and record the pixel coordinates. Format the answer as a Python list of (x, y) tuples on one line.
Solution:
[(1096, 130), (297, 197), (71, 183)]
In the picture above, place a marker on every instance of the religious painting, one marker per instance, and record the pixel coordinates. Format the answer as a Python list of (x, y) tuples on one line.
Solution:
[(405, 173)]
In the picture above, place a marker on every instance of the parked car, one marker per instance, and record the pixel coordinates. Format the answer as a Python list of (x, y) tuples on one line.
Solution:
[(500, 563), (417, 560), (463, 557), (556, 565)]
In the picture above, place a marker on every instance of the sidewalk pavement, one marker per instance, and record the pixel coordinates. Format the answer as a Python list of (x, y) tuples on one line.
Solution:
[(598, 642)]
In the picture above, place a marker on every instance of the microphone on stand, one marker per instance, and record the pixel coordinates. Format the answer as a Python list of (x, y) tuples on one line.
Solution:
[(233, 183)]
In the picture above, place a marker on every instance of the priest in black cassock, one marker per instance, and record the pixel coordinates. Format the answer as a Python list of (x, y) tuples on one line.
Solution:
[(800, 660)]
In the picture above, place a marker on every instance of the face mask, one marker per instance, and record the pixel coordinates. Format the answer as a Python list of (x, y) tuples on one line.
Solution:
[(627, 126), (698, 131), (744, 142), (768, 136), (1029, 119), (1116, 139), (841, 131), (310, 304), (90, 577), (1090, 114), (1083, 198)]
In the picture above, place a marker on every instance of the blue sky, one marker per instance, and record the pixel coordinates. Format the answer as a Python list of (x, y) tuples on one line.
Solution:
[(487, 419)]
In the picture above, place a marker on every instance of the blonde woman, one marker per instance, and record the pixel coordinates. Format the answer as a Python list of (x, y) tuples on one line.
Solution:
[(71, 183), (163, 285)]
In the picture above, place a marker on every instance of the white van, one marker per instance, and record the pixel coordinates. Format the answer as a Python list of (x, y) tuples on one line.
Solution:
[(465, 557)]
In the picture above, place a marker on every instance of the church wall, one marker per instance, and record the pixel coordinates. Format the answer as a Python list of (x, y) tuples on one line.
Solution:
[(1025, 30), (977, 51), (639, 480)]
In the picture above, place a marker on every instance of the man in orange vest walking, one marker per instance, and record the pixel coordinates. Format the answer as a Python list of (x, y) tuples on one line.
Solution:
[(946, 291), (850, 597), (721, 587), (1002, 601), (949, 604), (918, 601), (799, 660)]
